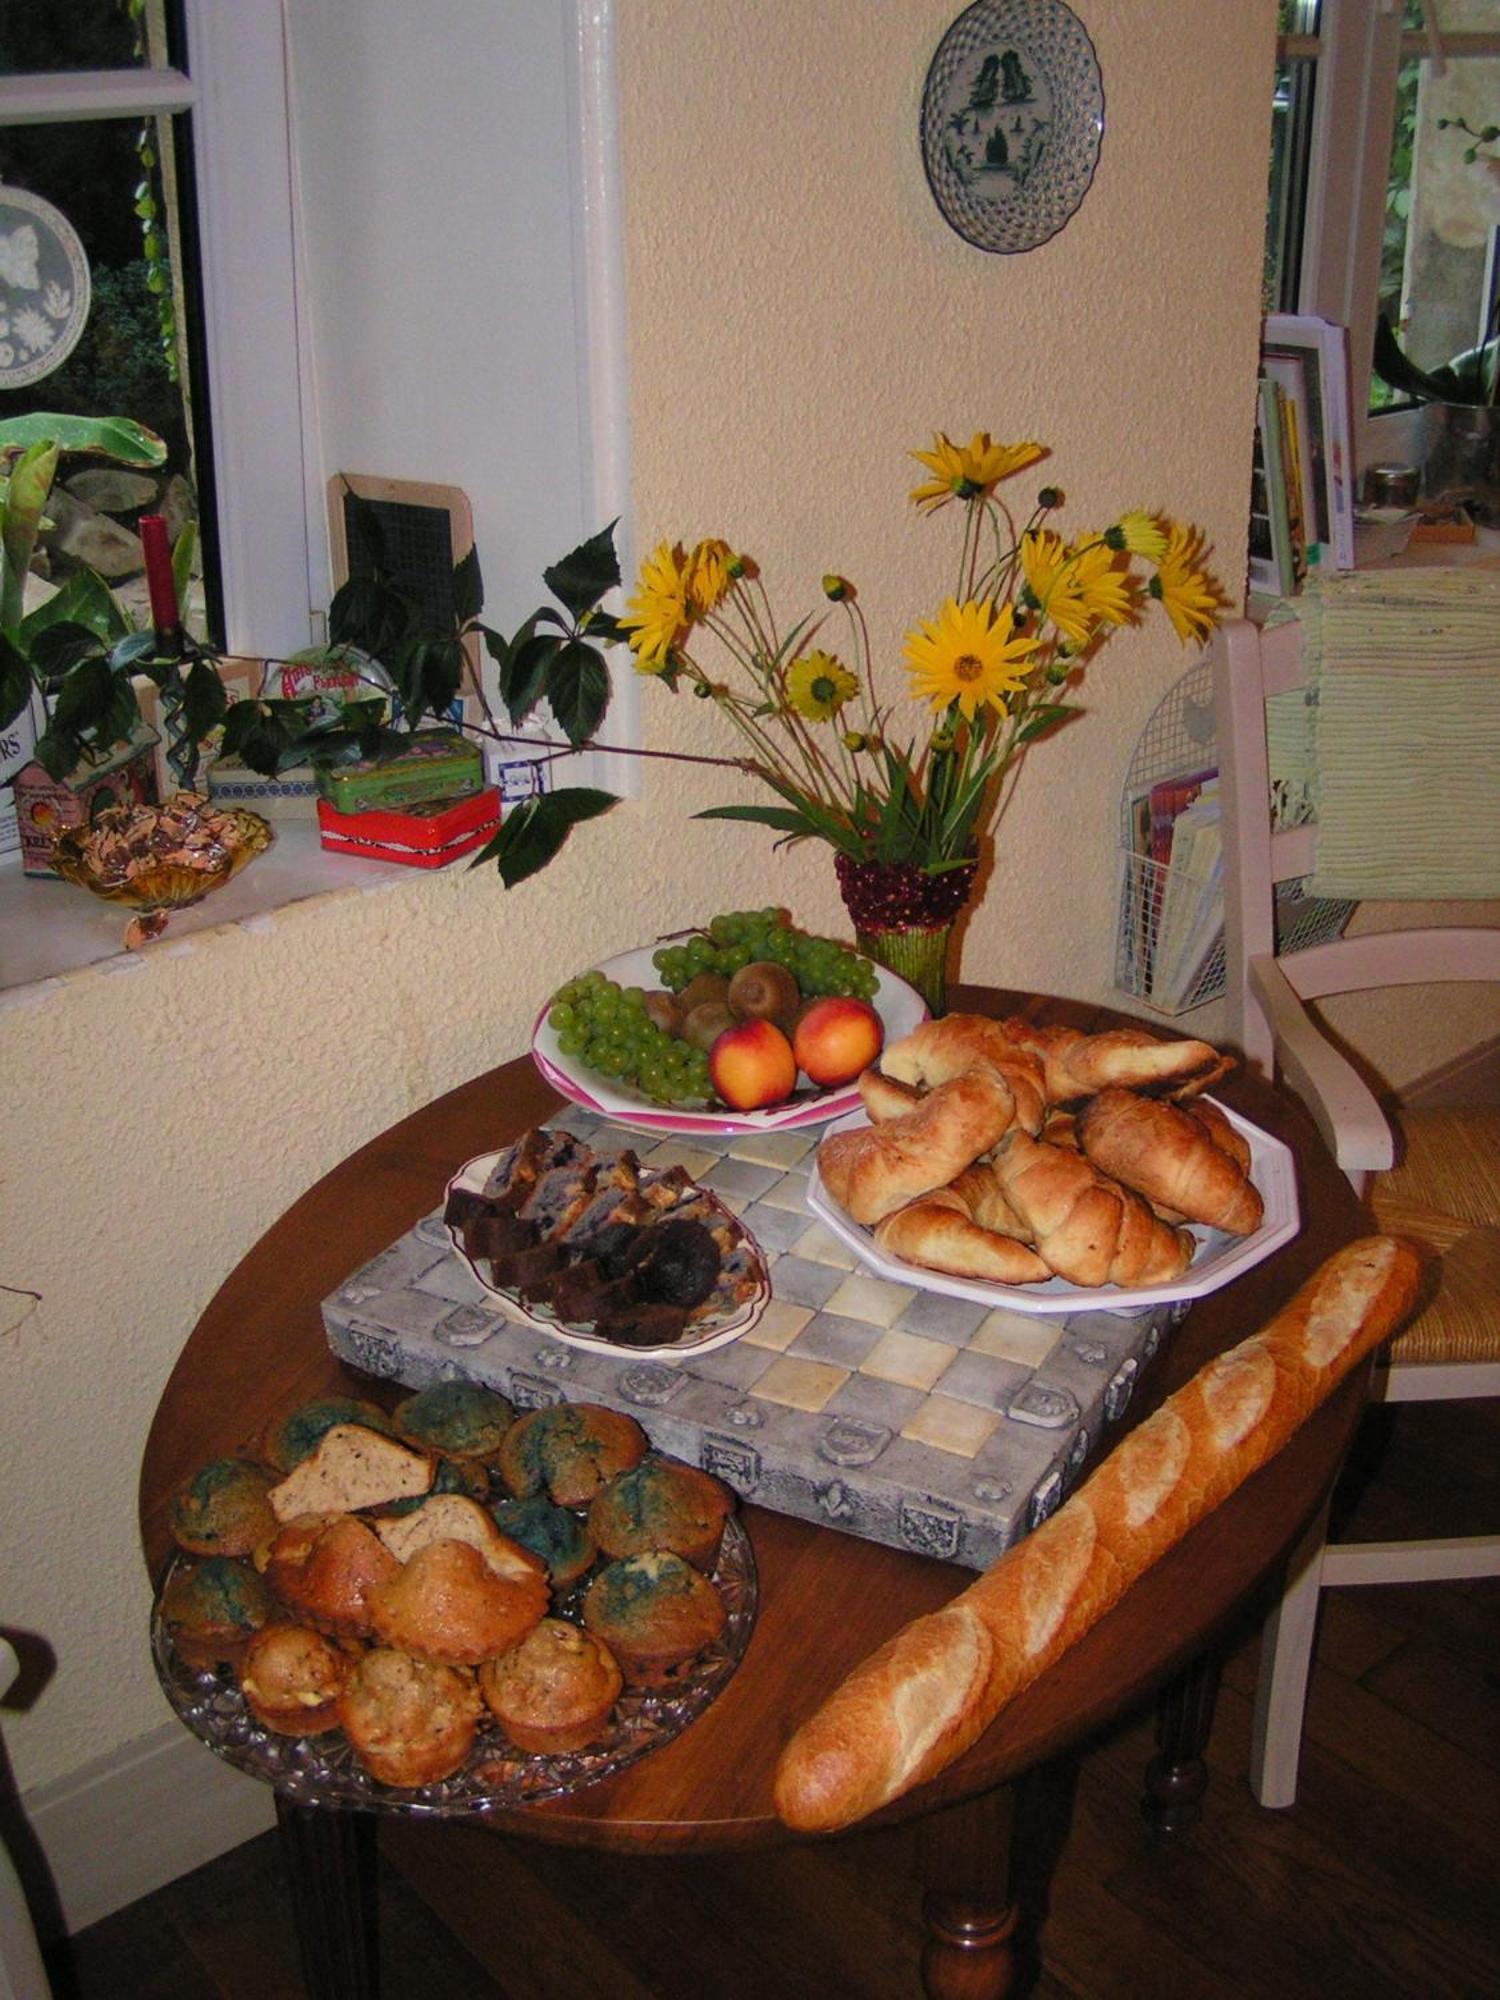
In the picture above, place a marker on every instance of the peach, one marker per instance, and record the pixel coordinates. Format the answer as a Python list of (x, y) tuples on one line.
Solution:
[(752, 1066), (836, 1038)]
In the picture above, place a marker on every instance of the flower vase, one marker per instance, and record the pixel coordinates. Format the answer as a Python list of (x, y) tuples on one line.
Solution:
[(904, 918)]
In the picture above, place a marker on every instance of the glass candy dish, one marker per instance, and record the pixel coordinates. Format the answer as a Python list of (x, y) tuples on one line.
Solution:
[(157, 859)]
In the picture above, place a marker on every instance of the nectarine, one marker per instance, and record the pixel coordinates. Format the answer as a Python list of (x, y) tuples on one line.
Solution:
[(752, 1066), (836, 1038)]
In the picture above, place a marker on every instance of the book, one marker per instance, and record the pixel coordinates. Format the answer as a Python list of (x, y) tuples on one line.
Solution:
[(1192, 910), (1322, 347), (1272, 565), (1166, 800), (1304, 552), (1303, 450)]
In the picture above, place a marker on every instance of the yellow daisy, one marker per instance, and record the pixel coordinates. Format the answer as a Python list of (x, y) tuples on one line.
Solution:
[(707, 575), (818, 685), (1102, 586), (1142, 534), (1186, 593), (968, 654), (657, 616), (963, 471)]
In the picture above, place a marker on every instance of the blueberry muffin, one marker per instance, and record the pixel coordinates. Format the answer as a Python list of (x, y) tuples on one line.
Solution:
[(560, 1537), (287, 1440), (409, 1722), (553, 1693), (460, 1420), (570, 1451), (291, 1677), (212, 1609), (662, 1504), (224, 1509), (656, 1614)]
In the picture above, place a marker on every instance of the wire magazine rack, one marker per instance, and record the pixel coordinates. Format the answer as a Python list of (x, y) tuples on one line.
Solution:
[(1169, 940)]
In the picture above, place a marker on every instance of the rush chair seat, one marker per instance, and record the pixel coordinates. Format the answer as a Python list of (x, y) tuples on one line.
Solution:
[(1432, 1175)]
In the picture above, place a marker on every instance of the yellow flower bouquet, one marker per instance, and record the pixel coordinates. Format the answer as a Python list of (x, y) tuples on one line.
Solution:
[(997, 666)]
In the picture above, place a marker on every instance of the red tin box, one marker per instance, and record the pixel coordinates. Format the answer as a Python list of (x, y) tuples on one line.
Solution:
[(427, 835)]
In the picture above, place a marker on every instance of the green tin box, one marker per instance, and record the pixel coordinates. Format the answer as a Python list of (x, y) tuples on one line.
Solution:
[(433, 763)]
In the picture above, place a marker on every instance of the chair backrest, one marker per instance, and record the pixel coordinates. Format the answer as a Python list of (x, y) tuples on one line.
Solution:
[(1251, 664)]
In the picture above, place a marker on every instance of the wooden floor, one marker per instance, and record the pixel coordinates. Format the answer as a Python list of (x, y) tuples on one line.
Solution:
[(1382, 1881)]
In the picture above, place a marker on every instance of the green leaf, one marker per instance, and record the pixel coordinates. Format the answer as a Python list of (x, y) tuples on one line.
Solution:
[(578, 689), (370, 613), (85, 599), (585, 573), (531, 834), (262, 735), (525, 669), (468, 588), (58, 652), (115, 437), (134, 650), (1042, 719), (783, 819), (15, 680), (205, 701)]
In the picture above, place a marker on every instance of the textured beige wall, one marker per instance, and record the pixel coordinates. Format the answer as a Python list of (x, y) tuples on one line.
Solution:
[(800, 317)]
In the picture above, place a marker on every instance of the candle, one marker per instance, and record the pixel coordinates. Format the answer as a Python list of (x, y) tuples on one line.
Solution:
[(159, 581)]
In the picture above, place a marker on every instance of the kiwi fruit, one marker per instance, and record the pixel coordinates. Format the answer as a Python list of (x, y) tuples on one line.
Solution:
[(764, 990), (665, 1010), (706, 986), (702, 1025)]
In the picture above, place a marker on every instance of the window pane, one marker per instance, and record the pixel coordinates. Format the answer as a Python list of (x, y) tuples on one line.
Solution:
[(115, 181), (1443, 204), (41, 35), (1291, 138)]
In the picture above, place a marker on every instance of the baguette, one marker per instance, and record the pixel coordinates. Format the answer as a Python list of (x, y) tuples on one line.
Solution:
[(927, 1695)]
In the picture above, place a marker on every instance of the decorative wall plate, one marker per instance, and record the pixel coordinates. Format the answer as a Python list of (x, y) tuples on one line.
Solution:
[(44, 288), (1012, 116)]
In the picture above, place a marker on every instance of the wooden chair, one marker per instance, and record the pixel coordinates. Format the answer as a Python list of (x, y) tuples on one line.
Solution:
[(1438, 1172)]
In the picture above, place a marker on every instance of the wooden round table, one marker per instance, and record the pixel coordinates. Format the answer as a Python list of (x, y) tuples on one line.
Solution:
[(826, 1599)]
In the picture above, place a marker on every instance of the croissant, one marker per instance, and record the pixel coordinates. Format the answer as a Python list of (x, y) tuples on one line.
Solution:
[(940, 1233), (884, 1098), (938, 1050), (1174, 1157), (1087, 1228), (1075, 1064), (881, 1167)]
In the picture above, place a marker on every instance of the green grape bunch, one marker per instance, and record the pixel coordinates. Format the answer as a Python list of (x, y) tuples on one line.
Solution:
[(609, 1029)]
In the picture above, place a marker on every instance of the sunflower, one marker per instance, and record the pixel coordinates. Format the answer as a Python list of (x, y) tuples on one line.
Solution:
[(968, 654), (818, 685), (964, 471), (1186, 593), (707, 575), (1103, 588), (657, 617), (1141, 533)]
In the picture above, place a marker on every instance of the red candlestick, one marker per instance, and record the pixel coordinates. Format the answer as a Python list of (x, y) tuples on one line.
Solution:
[(159, 581)]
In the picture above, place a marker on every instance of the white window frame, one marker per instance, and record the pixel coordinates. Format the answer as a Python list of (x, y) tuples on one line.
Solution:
[(272, 563)]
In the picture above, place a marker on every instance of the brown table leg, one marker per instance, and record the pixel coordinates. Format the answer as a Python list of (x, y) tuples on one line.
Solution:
[(1177, 1776), (970, 1908), (329, 1855)]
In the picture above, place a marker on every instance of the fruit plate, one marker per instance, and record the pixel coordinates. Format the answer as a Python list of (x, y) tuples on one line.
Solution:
[(900, 1007), (1217, 1259), (715, 1329)]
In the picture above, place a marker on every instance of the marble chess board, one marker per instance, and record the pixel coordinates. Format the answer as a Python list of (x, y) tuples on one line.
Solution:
[(890, 1411)]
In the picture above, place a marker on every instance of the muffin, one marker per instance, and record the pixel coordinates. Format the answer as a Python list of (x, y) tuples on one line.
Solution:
[(291, 1676), (571, 1450), (461, 1420), (349, 1468), (453, 1475), (224, 1509), (656, 1614), (212, 1609), (559, 1537), (554, 1692), (409, 1722), (323, 1569), (287, 1440), (446, 1605), (453, 1517), (662, 1504)]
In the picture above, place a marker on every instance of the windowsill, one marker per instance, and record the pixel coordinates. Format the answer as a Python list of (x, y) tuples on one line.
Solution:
[(51, 928)]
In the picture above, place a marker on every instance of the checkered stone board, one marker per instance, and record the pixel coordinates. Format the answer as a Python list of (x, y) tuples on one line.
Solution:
[(886, 1410)]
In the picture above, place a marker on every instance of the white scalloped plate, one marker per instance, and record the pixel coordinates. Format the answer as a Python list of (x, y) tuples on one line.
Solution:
[(900, 1007), (713, 1330), (1217, 1260)]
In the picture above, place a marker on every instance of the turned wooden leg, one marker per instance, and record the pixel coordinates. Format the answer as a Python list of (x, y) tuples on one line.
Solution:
[(329, 1856), (1177, 1776), (970, 1907)]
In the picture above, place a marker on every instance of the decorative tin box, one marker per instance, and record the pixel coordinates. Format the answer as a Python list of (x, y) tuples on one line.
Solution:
[(425, 835), (432, 764), (45, 806)]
